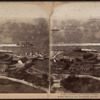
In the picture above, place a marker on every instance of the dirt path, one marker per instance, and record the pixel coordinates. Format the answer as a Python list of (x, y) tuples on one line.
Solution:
[(88, 76), (84, 76)]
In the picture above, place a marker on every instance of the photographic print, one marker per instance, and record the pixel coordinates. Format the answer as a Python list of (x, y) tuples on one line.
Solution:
[(75, 48), (49, 50), (24, 48)]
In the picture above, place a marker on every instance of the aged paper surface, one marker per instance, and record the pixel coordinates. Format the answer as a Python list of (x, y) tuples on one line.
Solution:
[(49, 50), (24, 50), (74, 50)]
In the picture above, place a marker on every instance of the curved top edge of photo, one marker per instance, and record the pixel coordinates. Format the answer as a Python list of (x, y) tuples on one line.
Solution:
[(76, 10), (17, 10)]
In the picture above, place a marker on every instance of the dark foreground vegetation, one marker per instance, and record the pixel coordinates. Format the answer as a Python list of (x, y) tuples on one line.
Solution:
[(81, 85)]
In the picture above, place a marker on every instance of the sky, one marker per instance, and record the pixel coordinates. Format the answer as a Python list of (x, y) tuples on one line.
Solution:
[(70, 23), (77, 10), (15, 10)]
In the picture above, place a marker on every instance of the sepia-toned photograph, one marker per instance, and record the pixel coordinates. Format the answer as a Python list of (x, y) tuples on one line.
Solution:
[(75, 48), (24, 48), (49, 50)]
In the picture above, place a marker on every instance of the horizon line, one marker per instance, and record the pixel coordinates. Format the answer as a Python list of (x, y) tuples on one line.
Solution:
[(76, 44)]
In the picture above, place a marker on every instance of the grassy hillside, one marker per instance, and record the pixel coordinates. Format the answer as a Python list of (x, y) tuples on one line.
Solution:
[(7, 86)]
